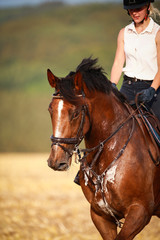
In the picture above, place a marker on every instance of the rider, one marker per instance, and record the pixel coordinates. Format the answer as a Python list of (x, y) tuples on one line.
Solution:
[(138, 45)]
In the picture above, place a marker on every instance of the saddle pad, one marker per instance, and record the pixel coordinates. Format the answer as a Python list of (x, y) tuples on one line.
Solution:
[(153, 131)]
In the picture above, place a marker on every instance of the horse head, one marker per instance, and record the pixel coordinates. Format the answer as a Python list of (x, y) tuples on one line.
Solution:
[(69, 116)]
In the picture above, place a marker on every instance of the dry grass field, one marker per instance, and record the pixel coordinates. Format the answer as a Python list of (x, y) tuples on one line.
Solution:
[(37, 203)]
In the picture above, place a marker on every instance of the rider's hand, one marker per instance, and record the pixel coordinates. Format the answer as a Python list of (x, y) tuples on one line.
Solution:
[(146, 95)]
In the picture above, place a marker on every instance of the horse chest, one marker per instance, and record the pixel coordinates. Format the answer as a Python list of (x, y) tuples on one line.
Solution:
[(103, 206), (100, 198), (101, 181)]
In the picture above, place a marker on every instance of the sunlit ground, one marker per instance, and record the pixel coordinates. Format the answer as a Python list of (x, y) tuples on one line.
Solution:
[(37, 203)]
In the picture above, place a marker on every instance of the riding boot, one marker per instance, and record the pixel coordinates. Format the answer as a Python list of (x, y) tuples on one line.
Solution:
[(76, 180)]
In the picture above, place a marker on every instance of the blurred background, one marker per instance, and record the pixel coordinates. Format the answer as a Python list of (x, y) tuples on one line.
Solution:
[(37, 203), (40, 34)]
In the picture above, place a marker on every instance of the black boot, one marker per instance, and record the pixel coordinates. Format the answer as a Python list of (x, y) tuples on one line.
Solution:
[(76, 180)]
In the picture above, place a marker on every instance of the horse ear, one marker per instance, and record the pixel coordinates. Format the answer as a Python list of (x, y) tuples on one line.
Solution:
[(52, 79), (78, 82)]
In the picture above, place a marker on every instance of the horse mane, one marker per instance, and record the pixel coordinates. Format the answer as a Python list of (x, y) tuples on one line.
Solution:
[(93, 77)]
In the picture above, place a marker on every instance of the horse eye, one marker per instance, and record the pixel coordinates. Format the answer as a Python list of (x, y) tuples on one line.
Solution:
[(75, 115)]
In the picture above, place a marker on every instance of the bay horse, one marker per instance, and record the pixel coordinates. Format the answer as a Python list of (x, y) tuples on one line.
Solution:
[(117, 174)]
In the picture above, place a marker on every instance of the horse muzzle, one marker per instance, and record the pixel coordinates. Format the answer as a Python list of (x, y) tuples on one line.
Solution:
[(58, 165)]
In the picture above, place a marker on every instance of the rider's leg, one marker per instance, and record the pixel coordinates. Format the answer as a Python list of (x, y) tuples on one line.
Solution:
[(76, 180), (155, 104)]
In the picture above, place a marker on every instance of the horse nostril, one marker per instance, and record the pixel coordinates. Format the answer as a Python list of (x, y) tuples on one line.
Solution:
[(62, 166), (58, 166)]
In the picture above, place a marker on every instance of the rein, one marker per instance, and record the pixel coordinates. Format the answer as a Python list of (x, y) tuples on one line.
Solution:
[(100, 146)]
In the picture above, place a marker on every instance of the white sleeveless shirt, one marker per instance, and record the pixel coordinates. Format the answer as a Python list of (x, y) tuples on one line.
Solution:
[(141, 51)]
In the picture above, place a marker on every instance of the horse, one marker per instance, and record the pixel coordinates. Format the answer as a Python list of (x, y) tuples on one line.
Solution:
[(117, 174)]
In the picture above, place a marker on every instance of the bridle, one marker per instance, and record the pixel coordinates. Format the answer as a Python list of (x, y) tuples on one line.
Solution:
[(79, 136)]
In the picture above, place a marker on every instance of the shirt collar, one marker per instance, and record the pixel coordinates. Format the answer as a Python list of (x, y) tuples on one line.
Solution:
[(149, 28)]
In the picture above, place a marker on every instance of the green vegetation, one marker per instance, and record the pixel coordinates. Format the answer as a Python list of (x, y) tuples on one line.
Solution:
[(54, 36)]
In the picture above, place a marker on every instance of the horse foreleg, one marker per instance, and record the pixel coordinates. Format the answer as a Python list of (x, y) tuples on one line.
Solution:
[(106, 228), (136, 219)]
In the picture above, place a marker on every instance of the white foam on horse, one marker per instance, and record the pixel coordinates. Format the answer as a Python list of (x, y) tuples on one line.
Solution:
[(112, 146), (110, 176), (104, 206), (86, 177)]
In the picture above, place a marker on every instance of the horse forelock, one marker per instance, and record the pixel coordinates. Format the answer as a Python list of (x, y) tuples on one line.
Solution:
[(67, 89)]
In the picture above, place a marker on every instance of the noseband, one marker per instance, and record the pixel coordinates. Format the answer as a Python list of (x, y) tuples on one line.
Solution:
[(71, 141)]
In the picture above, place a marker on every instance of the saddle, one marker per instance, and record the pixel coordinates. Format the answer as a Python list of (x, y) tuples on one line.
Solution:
[(153, 124)]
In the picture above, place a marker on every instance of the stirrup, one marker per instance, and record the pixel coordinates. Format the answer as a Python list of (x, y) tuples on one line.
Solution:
[(76, 180)]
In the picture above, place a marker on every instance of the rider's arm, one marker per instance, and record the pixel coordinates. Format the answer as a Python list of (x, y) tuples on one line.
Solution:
[(119, 59), (156, 81)]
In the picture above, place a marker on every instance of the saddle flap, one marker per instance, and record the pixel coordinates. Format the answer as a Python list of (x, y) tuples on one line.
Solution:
[(154, 121)]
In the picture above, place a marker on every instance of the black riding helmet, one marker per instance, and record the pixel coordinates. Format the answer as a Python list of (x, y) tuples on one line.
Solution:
[(132, 4)]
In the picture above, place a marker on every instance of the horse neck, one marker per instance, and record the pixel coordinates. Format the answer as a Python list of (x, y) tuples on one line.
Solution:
[(108, 112)]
